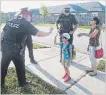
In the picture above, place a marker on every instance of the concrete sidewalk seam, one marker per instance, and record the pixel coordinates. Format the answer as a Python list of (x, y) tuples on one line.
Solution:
[(77, 80)]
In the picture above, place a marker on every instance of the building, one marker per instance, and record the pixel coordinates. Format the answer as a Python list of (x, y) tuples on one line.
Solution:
[(82, 11)]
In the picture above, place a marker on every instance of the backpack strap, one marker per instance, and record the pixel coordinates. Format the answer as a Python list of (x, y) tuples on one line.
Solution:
[(68, 48)]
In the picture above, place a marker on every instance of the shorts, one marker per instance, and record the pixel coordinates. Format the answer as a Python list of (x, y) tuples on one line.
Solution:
[(66, 63)]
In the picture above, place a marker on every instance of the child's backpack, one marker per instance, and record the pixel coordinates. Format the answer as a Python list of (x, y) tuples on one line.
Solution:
[(73, 50)]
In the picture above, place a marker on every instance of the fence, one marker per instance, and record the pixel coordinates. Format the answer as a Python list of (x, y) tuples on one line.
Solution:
[(83, 19)]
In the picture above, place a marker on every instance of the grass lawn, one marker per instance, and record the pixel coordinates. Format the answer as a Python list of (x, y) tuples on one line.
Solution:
[(38, 46), (101, 65), (52, 25), (37, 85), (48, 25), (85, 27)]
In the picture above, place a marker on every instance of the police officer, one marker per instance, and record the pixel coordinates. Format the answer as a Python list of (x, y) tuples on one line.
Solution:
[(14, 33), (29, 42), (68, 24)]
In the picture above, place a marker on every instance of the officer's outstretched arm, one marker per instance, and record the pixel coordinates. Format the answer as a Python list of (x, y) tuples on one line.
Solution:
[(43, 34)]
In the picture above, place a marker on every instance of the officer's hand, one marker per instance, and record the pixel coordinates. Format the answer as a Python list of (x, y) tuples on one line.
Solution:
[(58, 30), (71, 32)]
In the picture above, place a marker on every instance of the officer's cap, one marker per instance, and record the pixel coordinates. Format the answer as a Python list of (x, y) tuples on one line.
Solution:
[(24, 11)]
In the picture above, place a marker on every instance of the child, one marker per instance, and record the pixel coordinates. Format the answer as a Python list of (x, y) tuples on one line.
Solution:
[(67, 55)]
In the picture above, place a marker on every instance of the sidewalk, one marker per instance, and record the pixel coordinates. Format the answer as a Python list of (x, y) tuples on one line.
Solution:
[(50, 69)]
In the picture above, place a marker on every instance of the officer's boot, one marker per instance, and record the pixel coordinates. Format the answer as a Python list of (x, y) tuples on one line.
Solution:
[(33, 61), (32, 58)]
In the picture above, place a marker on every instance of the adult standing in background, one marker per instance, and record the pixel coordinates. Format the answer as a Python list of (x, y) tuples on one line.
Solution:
[(68, 24)]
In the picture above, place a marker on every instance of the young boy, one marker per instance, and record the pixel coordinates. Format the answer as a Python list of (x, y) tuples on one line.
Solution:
[(67, 55)]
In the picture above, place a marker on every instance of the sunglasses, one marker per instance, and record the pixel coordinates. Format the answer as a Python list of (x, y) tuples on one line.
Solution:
[(67, 11)]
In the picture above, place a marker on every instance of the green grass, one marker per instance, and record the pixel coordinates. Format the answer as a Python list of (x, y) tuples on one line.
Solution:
[(52, 25), (48, 25), (85, 27), (37, 85), (101, 65), (37, 46)]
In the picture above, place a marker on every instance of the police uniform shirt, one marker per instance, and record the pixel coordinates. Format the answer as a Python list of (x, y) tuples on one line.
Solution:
[(14, 32), (66, 22), (16, 29)]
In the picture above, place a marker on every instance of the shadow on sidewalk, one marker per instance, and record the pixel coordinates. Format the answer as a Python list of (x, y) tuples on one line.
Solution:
[(100, 75), (51, 78), (79, 86)]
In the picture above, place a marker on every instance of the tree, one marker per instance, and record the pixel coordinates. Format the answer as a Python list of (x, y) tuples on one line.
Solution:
[(5, 17), (44, 11), (0, 18)]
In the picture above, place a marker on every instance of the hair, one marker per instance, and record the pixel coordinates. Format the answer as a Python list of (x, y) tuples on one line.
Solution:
[(97, 20)]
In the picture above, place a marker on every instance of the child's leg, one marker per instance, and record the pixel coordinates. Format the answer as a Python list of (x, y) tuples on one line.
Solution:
[(67, 71), (67, 78)]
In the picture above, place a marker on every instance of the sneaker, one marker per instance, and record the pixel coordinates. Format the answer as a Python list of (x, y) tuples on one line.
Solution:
[(65, 76), (89, 70), (94, 73), (67, 79), (33, 61)]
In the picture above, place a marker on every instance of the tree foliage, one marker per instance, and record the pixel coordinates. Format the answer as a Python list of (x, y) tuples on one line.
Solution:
[(44, 11)]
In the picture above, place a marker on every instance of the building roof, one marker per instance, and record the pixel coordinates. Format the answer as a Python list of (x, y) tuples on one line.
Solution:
[(102, 6), (80, 7), (59, 9), (35, 11), (91, 6), (77, 8), (11, 13), (74, 8)]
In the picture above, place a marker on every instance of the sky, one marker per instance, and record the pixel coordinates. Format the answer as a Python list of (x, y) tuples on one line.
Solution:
[(11, 6)]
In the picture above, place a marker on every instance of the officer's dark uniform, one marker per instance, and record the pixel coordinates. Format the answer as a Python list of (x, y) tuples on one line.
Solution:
[(30, 48), (14, 33), (66, 23)]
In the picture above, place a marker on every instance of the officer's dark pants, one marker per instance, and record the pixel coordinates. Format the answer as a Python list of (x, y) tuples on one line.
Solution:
[(70, 41), (18, 61), (30, 47)]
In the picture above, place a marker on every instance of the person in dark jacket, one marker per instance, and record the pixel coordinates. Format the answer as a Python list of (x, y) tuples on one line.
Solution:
[(14, 36), (68, 24)]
